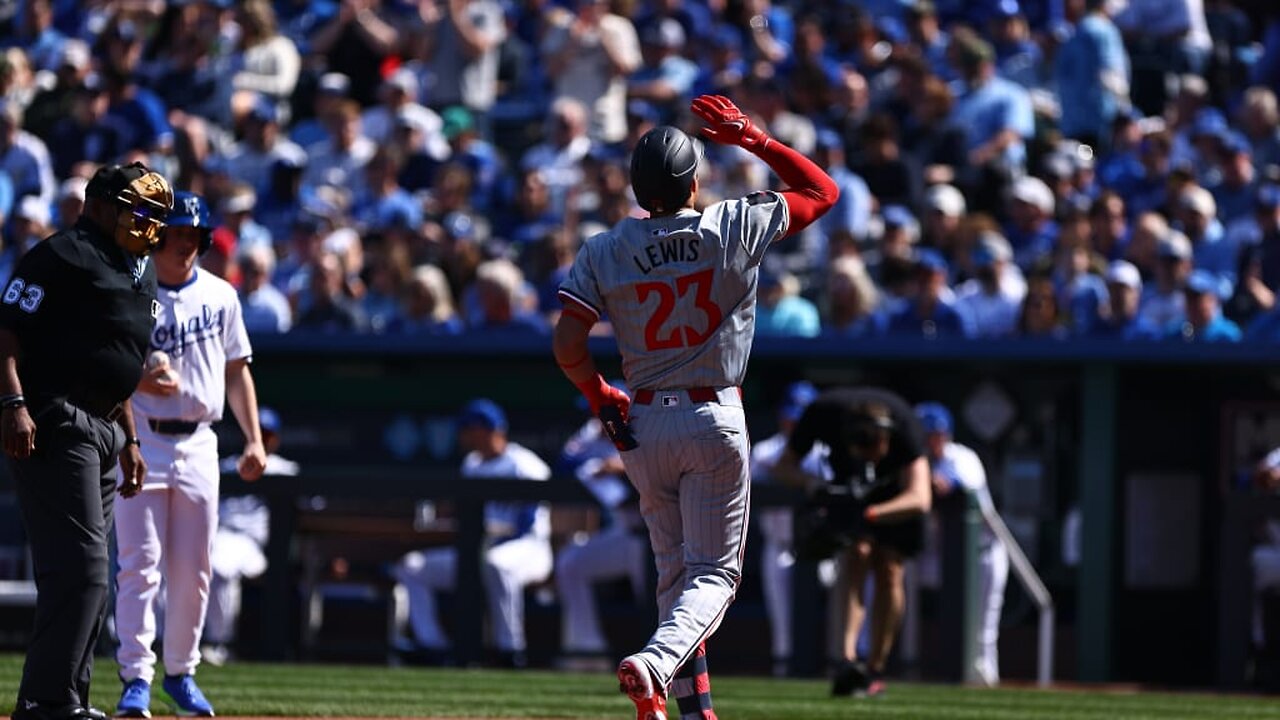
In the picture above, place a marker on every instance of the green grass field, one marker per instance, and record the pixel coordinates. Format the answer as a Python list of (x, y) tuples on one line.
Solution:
[(331, 690)]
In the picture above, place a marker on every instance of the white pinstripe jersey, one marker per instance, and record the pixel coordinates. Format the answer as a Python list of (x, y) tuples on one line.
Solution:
[(680, 290)]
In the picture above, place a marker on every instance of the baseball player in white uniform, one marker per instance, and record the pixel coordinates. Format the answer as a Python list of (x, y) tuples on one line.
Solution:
[(200, 355), (618, 550), (956, 467), (777, 558), (680, 290), (239, 545), (518, 537)]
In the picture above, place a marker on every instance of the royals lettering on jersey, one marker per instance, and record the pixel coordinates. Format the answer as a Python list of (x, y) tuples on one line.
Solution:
[(680, 290), (200, 327)]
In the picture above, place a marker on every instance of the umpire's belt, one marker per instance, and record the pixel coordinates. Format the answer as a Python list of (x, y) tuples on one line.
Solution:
[(172, 427), (644, 396)]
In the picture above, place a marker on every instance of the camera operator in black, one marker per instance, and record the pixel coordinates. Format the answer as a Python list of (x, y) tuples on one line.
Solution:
[(872, 513), (75, 322)]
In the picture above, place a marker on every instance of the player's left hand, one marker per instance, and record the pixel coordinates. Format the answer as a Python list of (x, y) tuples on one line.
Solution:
[(252, 462), (133, 468)]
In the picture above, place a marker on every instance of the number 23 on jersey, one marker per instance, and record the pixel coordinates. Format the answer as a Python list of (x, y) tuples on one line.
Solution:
[(668, 293)]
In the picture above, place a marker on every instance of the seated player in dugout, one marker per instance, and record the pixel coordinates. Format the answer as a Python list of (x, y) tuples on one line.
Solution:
[(872, 513)]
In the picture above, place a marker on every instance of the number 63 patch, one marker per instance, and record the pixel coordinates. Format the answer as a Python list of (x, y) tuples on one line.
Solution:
[(27, 297)]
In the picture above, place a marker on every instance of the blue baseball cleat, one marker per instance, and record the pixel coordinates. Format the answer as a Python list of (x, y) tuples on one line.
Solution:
[(135, 700), (186, 695)]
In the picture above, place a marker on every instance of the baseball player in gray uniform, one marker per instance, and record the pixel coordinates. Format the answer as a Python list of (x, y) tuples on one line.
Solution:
[(680, 290)]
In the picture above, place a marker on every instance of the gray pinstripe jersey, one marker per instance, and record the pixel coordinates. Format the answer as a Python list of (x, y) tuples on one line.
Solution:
[(680, 290)]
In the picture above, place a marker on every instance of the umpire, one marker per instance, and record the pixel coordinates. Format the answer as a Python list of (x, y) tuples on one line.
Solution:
[(75, 321), (872, 512)]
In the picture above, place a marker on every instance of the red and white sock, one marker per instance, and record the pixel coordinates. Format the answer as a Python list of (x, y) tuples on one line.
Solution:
[(692, 688)]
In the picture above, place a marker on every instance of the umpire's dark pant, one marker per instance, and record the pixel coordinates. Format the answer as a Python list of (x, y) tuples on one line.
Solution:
[(66, 490)]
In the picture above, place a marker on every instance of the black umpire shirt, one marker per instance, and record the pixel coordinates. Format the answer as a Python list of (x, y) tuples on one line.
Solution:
[(82, 308), (828, 420)]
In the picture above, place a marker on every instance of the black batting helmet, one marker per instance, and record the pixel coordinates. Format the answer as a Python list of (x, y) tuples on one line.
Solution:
[(662, 169)]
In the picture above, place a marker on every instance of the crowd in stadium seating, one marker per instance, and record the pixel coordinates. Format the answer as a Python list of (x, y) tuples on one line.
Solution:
[(1049, 168)]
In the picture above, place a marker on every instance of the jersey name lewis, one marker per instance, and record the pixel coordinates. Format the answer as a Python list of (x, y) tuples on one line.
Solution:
[(175, 337), (676, 247)]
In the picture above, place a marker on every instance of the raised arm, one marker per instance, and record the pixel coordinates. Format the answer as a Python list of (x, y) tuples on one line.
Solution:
[(810, 190)]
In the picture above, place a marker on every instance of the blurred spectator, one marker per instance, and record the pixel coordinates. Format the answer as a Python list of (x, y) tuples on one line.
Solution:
[(1232, 35), (1163, 303), (1204, 321), (465, 36), (387, 278), (473, 152), (850, 106), (278, 205), (1082, 295), (1031, 229), (266, 309), (1040, 317), (1018, 57), (852, 212), (1211, 251), (546, 263), (998, 118), (560, 156), (1110, 227), (502, 301), (54, 102), (1120, 317), (1165, 36), (87, 133), (944, 206), (398, 103), (723, 67), (32, 222), (69, 205), (852, 300), (770, 31), (141, 113), (1236, 191), (930, 139), (382, 202), (589, 55), (250, 159), (927, 34), (23, 156), (330, 308), (428, 305), (891, 179), (236, 211), (769, 102), (265, 61), (1260, 122), (991, 299), (781, 311), (186, 68), (356, 41), (331, 89), (811, 73), (531, 215), (340, 162), (928, 314), (665, 77), (36, 34), (1092, 76)]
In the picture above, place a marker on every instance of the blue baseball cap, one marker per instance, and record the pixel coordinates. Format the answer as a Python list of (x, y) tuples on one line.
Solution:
[(1203, 282), (264, 109), (897, 216), (934, 418), (189, 210), (1268, 197), (726, 37), (797, 398), (483, 413), (1007, 9), (1235, 143), (932, 260), (268, 420), (1210, 121), (828, 138)]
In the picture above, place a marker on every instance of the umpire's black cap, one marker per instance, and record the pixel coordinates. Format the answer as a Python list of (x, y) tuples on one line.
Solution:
[(111, 180), (663, 166)]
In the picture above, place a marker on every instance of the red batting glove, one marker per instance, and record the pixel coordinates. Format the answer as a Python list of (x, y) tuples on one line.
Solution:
[(727, 124), (600, 393)]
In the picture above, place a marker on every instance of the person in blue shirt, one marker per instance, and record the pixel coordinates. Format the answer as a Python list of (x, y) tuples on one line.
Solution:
[(998, 116), (852, 212), (723, 67), (1238, 187), (1018, 57), (1120, 320), (781, 311), (1204, 320), (928, 314), (927, 34), (1091, 72), (666, 78), (1212, 251), (1031, 229)]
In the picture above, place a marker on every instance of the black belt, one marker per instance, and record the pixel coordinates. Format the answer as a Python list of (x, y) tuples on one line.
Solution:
[(172, 427)]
